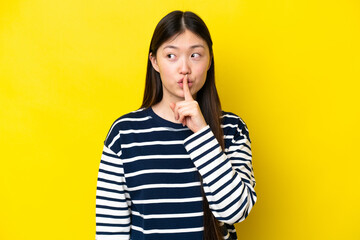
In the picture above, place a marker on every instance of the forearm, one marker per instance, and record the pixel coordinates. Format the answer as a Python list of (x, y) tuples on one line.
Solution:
[(229, 190)]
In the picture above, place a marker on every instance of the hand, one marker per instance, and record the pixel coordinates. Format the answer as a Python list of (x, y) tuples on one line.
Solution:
[(188, 111)]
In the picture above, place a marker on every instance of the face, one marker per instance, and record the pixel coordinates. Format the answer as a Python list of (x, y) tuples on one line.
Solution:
[(183, 54)]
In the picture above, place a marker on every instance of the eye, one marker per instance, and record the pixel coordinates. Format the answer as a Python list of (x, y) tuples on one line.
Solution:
[(195, 55), (170, 56)]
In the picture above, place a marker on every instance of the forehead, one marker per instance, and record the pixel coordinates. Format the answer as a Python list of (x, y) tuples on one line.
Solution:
[(184, 40)]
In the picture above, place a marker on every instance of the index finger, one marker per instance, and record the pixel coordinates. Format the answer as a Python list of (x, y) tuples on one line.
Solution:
[(187, 94)]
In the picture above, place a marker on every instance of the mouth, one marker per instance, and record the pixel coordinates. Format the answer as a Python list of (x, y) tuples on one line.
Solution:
[(180, 82)]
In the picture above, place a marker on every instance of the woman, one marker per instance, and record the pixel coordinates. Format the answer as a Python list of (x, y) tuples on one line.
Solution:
[(179, 167)]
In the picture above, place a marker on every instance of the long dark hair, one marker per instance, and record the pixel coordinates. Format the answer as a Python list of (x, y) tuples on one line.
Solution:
[(173, 24)]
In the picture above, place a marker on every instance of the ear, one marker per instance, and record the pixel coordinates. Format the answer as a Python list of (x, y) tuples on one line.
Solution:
[(153, 62), (210, 63)]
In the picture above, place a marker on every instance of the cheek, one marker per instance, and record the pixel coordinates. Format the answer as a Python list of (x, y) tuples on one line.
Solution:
[(166, 69), (201, 70)]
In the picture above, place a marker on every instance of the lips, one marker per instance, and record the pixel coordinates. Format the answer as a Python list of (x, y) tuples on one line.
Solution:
[(180, 83)]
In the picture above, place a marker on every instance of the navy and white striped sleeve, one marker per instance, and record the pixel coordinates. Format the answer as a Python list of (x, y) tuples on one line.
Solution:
[(112, 201), (228, 177)]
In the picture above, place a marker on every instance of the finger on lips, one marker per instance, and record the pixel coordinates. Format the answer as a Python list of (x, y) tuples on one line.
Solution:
[(187, 94), (181, 109)]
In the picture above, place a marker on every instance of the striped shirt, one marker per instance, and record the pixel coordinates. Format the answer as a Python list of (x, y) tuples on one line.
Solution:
[(148, 184)]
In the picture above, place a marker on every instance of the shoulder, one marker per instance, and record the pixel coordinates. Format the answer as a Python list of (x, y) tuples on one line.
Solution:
[(233, 125), (129, 118), (125, 122), (132, 116)]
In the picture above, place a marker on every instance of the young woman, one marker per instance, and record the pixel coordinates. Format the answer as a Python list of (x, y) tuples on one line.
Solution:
[(179, 167)]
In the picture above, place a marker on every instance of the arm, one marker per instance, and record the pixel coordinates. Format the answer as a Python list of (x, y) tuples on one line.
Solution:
[(228, 178), (112, 202)]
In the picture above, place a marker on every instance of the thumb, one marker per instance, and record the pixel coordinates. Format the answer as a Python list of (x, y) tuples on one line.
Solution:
[(172, 106)]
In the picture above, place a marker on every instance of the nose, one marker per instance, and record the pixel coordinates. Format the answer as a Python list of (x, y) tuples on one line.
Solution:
[(185, 67)]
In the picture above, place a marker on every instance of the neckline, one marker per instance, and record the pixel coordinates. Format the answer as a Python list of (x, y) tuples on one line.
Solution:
[(163, 121)]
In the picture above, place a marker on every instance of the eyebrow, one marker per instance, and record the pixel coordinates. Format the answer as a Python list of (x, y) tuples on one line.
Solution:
[(192, 47)]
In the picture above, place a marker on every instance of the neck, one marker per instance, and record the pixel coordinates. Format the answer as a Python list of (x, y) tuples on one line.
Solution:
[(163, 109)]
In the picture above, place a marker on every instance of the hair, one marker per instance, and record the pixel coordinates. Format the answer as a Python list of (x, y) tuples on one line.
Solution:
[(172, 24)]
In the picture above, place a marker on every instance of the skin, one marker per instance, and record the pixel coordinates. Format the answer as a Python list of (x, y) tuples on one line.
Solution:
[(183, 62)]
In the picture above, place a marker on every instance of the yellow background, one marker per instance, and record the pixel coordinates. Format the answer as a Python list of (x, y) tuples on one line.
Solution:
[(290, 69)]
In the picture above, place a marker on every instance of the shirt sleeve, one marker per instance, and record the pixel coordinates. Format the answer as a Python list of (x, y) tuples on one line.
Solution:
[(112, 200), (228, 177)]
